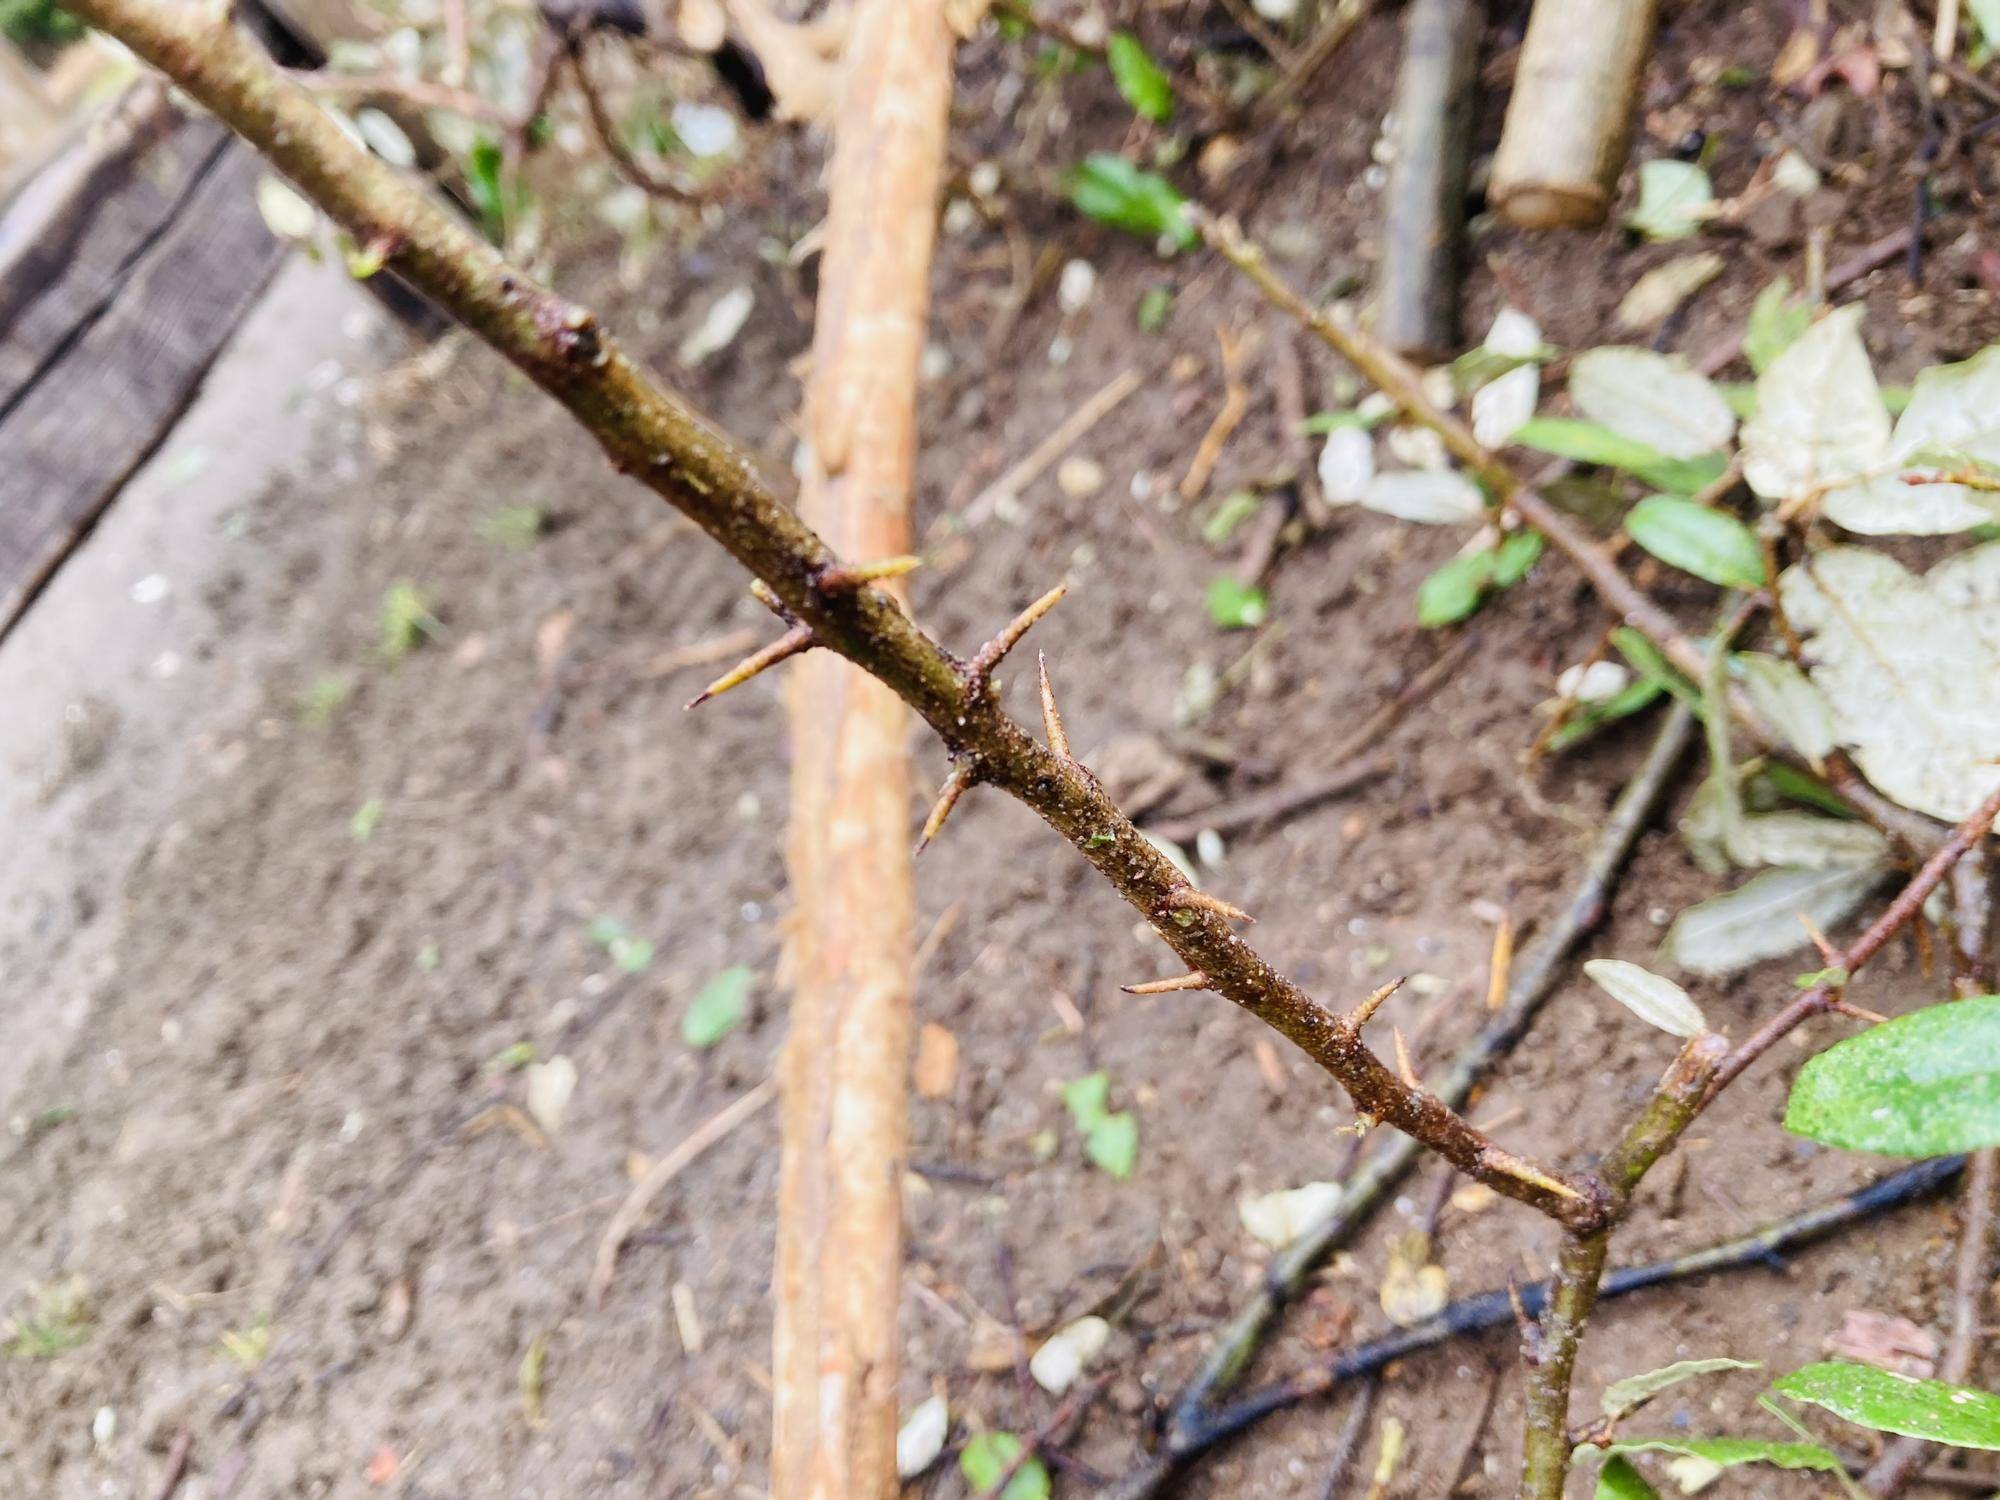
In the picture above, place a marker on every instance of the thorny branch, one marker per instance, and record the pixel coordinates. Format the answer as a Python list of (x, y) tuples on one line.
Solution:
[(653, 435)]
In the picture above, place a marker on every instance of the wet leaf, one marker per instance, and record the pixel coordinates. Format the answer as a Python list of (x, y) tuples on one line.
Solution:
[(1711, 544), (1928, 1409), (1908, 664), (718, 1007), (1067, 1352), (1622, 1396), (920, 1439), (1434, 497), (1113, 1144), (1805, 840), (1787, 699), (1655, 1000), (1925, 1084), (1672, 198), (1819, 418), (1112, 191), (985, 1457), (1276, 1219), (1760, 919), (1777, 318), (1656, 399), (1236, 605), (1138, 77), (1515, 556)]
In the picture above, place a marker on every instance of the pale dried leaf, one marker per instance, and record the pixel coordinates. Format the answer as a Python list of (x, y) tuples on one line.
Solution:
[(1953, 417), (1655, 1000), (1909, 665), (921, 1438), (1414, 1287), (550, 1086), (1656, 399), (1819, 420), (1346, 465), (1435, 497), (1281, 1217), (286, 213), (1655, 296), (1787, 699), (1808, 841), (1760, 919), (936, 1068), (1067, 1352), (1887, 1342), (1504, 403)]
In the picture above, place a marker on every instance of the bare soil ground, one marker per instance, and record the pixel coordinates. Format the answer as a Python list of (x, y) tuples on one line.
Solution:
[(252, 1056)]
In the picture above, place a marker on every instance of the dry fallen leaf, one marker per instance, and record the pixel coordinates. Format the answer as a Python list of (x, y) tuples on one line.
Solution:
[(1414, 1287), (382, 1467), (1885, 1341), (550, 1085)]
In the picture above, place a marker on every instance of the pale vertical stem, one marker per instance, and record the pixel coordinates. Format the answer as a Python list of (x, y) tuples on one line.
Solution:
[(839, 1259)]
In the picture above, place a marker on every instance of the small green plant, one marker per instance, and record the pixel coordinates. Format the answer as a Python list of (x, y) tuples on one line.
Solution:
[(250, 1344), (631, 954), (56, 1321), (324, 697), (515, 527), (1110, 1137), (718, 1007), (406, 622), (38, 23)]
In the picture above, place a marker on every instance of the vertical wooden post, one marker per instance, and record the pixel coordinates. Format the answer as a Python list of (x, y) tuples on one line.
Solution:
[(846, 1067)]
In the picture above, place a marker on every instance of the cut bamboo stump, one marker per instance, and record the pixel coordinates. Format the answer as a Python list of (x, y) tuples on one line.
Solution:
[(846, 1065), (1570, 119)]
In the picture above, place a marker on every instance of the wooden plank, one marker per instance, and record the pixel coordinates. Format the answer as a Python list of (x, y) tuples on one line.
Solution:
[(71, 237), (95, 412)]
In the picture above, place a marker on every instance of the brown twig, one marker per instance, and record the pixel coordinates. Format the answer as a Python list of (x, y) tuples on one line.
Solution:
[(1310, 59), (629, 166), (1054, 1429), (177, 1463)]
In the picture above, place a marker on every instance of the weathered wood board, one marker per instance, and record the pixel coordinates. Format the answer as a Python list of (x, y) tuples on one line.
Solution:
[(108, 342)]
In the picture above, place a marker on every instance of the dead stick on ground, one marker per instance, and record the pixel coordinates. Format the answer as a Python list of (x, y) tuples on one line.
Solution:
[(177, 1463), (1763, 1247), (1024, 473), (1536, 972), (660, 1175), (1306, 65), (845, 1074)]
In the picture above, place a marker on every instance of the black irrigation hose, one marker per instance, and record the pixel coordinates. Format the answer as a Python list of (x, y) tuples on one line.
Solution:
[(1496, 1308)]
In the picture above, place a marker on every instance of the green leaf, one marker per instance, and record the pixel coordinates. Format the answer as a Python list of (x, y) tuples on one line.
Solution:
[(1776, 321), (1672, 195), (1760, 919), (1154, 307), (1591, 717), (1515, 556), (1710, 544), (1925, 1084), (1112, 191), (1987, 14), (1620, 1481), (1087, 1098), (718, 1007), (1480, 366), (1928, 1409), (1622, 1396), (366, 816), (1236, 508), (1454, 590), (985, 1457), (1729, 1452), (1593, 443), (1138, 77), (1113, 1144), (1651, 663), (1235, 605)]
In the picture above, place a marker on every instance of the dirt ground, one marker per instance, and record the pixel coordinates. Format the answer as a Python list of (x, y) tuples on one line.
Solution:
[(264, 1138)]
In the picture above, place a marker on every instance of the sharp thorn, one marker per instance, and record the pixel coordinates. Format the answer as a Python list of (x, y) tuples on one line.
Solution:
[(791, 643), (995, 650), (1187, 896), (1403, 1064), (1826, 949), (763, 593), (1194, 981), (955, 786), (1504, 1161), (845, 578), (1373, 1003), (1051, 720)]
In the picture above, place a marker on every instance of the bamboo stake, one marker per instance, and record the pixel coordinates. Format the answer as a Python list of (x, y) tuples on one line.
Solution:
[(1423, 209), (1571, 115), (846, 1064)]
